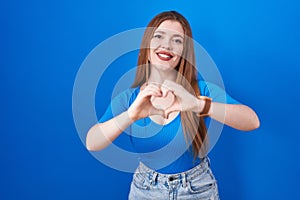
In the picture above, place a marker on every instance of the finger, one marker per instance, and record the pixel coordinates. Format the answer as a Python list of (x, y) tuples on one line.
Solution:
[(150, 93), (172, 109), (168, 111), (155, 111), (172, 86), (165, 93), (154, 87), (155, 90), (167, 114), (153, 93)]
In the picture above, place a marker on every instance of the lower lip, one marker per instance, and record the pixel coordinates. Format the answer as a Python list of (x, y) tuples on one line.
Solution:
[(163, 58)]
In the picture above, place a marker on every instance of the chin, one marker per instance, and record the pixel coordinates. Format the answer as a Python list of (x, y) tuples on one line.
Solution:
[(164, 67)]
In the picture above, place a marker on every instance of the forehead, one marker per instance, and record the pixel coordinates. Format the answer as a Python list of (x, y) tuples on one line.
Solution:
[(171, 26)]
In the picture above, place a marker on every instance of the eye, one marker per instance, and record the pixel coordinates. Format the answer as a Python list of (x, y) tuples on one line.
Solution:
[(158, 36), (177, 41)]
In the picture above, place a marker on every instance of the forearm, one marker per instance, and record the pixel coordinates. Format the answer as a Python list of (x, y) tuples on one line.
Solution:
[(103, 134), (238, 116)]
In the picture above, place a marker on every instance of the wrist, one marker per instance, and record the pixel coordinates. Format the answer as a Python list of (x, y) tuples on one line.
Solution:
[(206, 106), (200, 105), (131, 115)]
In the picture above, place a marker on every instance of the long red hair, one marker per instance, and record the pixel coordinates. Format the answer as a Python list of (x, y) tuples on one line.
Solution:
[(193, 127)]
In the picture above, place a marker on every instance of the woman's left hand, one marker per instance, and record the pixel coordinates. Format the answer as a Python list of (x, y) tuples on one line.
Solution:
[(184, 100)]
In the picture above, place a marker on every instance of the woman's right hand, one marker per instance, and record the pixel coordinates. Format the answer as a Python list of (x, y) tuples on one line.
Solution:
[(142, 106)]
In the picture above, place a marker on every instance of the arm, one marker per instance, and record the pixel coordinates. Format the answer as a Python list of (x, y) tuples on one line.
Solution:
[(237, 116), (103, 134)]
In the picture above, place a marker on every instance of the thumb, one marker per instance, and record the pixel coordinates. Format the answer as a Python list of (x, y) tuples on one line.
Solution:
[(155, 111), (168, 111)]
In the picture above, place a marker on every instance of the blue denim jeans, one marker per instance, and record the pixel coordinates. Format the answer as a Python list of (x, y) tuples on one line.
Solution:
[(196, 183)]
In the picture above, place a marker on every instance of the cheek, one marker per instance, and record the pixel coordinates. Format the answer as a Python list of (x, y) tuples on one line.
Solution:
[(151, 54), (179, 52), (178, 49), (153, 44)]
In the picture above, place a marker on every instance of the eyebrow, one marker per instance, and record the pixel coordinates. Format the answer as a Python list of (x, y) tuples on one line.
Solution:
[(175, 35)]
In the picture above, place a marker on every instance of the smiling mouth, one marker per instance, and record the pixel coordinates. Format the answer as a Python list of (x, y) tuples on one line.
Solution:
[(165, 56)]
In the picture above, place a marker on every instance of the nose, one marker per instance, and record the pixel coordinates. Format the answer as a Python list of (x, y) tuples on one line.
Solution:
[(166, 44)]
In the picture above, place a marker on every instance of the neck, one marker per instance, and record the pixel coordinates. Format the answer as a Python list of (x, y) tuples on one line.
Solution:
[(159, 76)]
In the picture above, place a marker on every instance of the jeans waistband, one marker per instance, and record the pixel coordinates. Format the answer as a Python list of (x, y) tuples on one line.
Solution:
[(182, 177)]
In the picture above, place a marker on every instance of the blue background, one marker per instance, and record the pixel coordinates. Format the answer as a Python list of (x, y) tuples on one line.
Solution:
[(255, 45)]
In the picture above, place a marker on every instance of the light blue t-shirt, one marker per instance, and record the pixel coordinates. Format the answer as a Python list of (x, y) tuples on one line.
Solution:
[(160, 147)]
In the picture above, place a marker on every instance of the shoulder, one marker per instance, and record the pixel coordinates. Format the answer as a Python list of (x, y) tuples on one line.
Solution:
[(127, 93), (216, 92), (125, 97), (206, 87)]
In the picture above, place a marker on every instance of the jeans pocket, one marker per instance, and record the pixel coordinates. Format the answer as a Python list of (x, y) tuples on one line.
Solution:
[(204, 183), (140, 181)]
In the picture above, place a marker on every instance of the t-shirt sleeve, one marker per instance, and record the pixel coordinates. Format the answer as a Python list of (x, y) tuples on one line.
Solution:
[(119, 104), (216, 93)]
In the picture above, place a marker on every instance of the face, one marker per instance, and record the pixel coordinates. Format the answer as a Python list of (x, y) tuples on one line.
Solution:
[(166, 45)]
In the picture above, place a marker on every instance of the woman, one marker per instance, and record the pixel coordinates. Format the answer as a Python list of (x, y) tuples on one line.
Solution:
[(165, 113)]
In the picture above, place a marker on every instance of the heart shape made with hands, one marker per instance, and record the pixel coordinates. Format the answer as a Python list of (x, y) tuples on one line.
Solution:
[(164, 102)]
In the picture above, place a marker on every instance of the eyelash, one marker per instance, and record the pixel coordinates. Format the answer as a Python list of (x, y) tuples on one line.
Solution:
[(157, 36), (177, 41)]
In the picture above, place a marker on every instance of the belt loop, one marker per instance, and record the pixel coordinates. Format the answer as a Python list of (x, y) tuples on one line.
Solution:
[(184, 181), (208, 161), (153, 179), (205, 160)]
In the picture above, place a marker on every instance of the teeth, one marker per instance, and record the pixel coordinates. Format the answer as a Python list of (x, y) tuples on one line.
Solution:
[(164, 55)]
